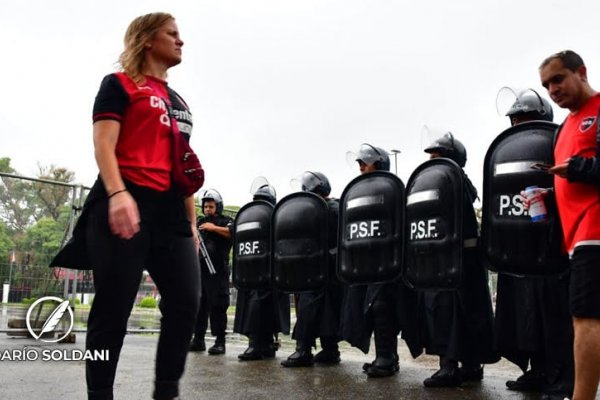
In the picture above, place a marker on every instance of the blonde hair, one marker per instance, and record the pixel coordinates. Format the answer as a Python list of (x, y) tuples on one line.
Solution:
[(139, 32)]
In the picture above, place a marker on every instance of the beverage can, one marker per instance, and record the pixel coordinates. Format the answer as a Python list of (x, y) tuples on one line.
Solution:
[(537, 207)]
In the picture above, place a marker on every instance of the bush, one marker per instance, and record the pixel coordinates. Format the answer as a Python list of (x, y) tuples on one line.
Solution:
[(28, 300), (148, 302)]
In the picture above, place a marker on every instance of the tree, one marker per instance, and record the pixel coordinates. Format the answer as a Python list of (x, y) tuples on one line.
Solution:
[(23, 202), (52, 197), (42, 241), (6, 244), (16, 200)]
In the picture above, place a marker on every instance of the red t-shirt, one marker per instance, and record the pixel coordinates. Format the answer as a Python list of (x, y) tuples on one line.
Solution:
[(143, 149), (578, 203)]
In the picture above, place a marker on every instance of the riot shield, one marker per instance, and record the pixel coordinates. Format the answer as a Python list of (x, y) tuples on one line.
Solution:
[(299, 242), (512, 242), (434, 219), (252, 246), (371, 229)]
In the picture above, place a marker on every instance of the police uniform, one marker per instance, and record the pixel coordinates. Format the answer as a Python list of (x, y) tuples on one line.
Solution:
[(318, 312), (215, 287), (458, 325), (260, 314), (383, 309), (533, 327)]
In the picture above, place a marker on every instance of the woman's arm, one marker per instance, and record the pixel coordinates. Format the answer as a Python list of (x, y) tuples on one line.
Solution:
[(123, 214), (190, 209)]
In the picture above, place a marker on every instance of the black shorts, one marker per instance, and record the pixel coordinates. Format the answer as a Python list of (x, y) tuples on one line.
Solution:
[(584, 288)]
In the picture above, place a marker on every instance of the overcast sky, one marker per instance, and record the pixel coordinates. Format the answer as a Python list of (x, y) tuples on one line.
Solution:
[(278, 87)]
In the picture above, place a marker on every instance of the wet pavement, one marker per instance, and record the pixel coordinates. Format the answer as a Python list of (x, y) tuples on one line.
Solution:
[(224, 377)]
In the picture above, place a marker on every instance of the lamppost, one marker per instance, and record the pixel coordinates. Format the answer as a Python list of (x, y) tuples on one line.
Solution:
[(395, 153)]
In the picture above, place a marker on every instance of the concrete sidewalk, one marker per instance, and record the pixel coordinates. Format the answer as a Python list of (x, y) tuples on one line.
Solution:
[(224, 377)]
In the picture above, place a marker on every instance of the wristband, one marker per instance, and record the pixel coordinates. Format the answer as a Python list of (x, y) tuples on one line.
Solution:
[(117, 192)]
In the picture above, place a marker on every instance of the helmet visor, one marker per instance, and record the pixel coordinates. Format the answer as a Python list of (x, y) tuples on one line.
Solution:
[(366, 154), (258, 183), (306, 182), (212, 194), (433, 138)]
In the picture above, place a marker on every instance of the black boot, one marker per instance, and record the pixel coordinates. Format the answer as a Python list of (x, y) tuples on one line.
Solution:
[(219, 346), (268, 346), (447, 376), (386, 339), (198, 344), (471, 372), (253, 352), (330, 354), (531, 381), (302, 357)]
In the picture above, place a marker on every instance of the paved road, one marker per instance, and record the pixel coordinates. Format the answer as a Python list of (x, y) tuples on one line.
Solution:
[(224, 377)]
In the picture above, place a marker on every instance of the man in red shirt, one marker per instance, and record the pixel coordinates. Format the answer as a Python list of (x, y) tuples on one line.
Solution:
[(577, 185)]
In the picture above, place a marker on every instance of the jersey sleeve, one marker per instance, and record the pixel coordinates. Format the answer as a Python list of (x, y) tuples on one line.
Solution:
[(111, 100)]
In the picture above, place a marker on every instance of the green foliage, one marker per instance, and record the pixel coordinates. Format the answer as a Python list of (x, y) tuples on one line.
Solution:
[(17, 200), (23, 202), (148, 302), (52, 197), (28, 300), (42, 240), (6, 243)]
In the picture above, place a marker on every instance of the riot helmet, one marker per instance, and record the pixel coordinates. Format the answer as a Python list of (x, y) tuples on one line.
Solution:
[(262, 190), (314, 182), (369, 154), (525, 104), (447, 146), (212, 194)]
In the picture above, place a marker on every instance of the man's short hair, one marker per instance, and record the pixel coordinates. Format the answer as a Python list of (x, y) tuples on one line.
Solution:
[(570, 60)]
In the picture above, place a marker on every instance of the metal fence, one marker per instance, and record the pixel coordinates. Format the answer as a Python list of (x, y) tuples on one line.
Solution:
[(24, 271)]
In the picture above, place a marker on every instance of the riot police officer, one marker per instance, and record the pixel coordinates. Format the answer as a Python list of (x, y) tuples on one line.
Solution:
[(457, 325), (318, 312), (533, 327), (260, 314), (383, 309), (216, 232)]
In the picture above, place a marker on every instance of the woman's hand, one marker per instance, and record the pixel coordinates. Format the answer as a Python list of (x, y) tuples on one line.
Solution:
[(196, 237), (123, 215)]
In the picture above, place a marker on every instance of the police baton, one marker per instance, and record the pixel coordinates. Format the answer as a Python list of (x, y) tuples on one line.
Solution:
[(206, 257)]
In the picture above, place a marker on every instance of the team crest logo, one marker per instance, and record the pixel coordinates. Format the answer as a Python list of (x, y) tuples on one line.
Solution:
[(586, 124)]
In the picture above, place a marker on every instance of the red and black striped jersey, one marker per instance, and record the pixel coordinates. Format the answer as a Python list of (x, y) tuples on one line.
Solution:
[(143, 149), (578, 203)]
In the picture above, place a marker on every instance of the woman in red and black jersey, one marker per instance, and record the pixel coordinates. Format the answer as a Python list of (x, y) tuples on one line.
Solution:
[(136, 219)]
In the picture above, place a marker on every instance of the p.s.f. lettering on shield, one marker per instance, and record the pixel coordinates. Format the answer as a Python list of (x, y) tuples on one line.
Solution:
[(364, 229), (249, 248), (511, 205), (423, 229)]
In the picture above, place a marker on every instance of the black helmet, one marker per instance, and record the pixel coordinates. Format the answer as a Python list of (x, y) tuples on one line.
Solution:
[(517, 102), (212, 194), (315, 182), (529, 101), (266, 193), (370, 155), (262, 190), (450, 148)]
